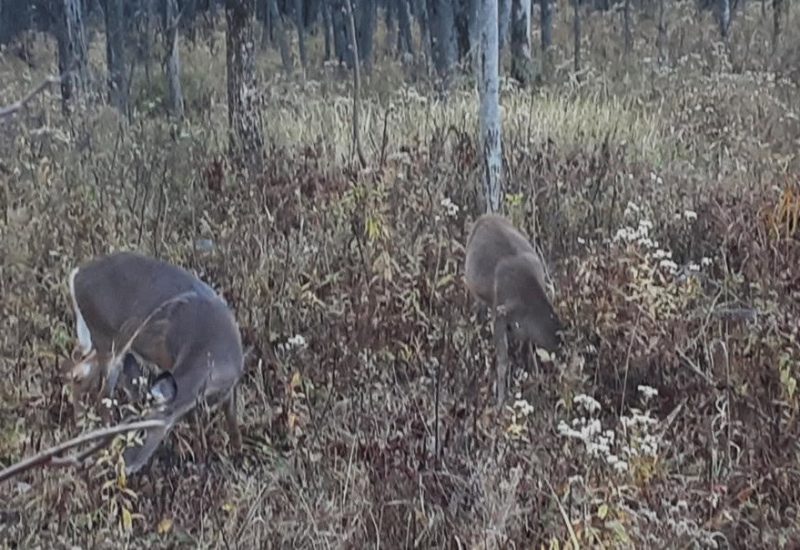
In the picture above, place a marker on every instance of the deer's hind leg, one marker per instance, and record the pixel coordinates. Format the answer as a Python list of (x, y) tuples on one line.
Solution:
[(229, 407)]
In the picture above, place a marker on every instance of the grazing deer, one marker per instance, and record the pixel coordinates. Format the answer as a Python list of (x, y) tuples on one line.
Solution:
[(128, 305), (503, 271)]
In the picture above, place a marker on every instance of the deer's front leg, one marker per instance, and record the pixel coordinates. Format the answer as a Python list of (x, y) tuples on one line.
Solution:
[(501, 347)]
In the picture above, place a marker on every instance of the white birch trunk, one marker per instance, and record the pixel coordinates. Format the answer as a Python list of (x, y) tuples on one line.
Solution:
[(489, 90)]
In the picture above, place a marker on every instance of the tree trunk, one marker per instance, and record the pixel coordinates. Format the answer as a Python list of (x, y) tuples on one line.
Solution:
[(353, 40), (390, 21), (340, 41), (521, 61), (263, 14), (489, 90), (367, 16), (724, 7), (475, 25), (327, 30), (173, 60), (504, 22), (628, 35), (115, 55), (72, 54), (546, 22), (244, 117), (146, 37), (576, 31), (404, 24), (777, 8), (443, 38), (280, 32), (425, 32), (462, 26), (662, 32), (301, 41)]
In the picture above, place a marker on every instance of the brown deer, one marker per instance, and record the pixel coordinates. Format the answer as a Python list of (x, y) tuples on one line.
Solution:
[(129, 306), (504, 272)]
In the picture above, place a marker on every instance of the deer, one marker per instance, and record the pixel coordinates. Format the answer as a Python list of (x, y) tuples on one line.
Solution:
[(504, 272), (132, 309)]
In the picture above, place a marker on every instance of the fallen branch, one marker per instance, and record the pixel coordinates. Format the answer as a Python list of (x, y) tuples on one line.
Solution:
[(50, 457), (9, 110)]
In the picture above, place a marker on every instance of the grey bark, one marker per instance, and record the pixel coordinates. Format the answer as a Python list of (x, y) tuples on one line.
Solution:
[(443, 37), (145, 38), (404, 24), (576, 33), (777, 9), (341, 42), (280, 32), (327, 29), (301, 40), (115, 55), (724, 8), (173, 64), (521, 60), (504, 22), (72, 56), (367, 16), (662, 32), (244, 117), (546, 21), (424, 22), (390, 22), (473, 7), (489, 115), (353, 40), (626, 27)]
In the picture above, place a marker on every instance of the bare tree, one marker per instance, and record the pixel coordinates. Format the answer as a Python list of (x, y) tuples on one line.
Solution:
[(280, 31), (72, 56), (327, 29), (404, 24), (628, 35), (173, 60), (244, 117), (489, 90), (777, 9), (115, 55), (546, 21), (351, 32), (443, 37), (724, 8), (503, 22), (521, 61), (301, 39), (661, 40), (365, 31), (576, 32)]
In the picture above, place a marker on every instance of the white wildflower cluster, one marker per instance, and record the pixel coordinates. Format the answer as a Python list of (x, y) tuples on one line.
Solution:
[(450, 208), (616, 448), (108, 403), (523, 407), (640, 236), (297, 341)]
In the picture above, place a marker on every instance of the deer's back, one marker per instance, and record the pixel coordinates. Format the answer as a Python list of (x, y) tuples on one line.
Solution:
[(492, 240), (115, 293)]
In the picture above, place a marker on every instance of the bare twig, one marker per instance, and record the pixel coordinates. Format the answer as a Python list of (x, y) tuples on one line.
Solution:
[(50, 457), (9, 110), (567, 523)]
